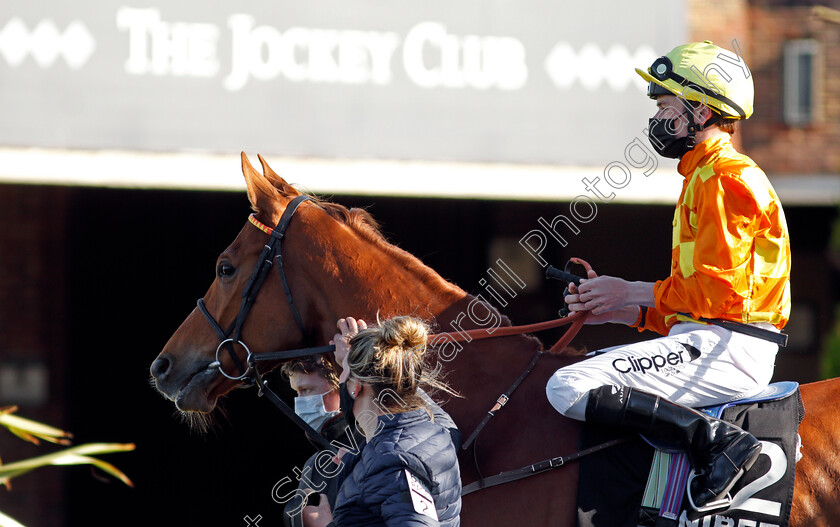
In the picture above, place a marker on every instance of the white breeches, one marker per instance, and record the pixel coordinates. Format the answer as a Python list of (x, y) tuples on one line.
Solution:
[(695, 365)]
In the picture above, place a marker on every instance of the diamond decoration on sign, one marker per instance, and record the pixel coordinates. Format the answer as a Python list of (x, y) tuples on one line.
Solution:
[(14, 42), (78, 45), (46, 43), (592, 68)]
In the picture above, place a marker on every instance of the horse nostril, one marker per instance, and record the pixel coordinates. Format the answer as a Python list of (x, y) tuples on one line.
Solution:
[(160, 367)]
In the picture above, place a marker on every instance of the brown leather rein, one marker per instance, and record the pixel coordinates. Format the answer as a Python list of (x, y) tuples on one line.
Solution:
[(575, 320)]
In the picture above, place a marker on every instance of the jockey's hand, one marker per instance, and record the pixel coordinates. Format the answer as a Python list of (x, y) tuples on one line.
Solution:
[(576, 303), (600, 294), (573, 299), (607, 298), (317, 516), (347, 328)]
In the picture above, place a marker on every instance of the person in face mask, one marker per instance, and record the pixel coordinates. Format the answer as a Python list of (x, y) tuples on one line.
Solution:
[(315, 381), (407, 473), (730, 261)]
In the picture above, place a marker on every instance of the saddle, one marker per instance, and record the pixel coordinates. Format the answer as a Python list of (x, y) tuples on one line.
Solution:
[(763, 495)]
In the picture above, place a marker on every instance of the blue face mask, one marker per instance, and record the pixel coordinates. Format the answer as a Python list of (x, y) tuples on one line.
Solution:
[(311, 409)]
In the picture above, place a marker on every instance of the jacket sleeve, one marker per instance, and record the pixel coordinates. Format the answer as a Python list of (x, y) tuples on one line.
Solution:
[(651, 319), (388, 489), (709, 274)]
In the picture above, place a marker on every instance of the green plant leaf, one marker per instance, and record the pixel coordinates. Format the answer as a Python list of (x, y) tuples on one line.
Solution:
[(30, 430), (78, 455), (98, 463)]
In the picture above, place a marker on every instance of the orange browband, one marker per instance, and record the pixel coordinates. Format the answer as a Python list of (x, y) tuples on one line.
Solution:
[(260, 225)]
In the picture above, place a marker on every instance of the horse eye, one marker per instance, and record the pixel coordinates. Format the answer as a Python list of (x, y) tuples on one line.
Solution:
[(225, 270)]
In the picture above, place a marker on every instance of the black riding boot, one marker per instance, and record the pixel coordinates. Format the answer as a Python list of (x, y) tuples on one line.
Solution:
[(719, 451)]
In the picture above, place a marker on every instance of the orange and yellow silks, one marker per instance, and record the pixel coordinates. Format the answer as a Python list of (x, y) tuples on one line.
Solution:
[(730, 253)]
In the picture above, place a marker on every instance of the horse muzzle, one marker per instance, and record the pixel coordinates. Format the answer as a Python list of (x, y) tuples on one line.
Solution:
[(191, 387)]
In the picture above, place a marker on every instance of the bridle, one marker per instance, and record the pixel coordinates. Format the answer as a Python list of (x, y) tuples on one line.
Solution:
[(248, 372), (271, 252)]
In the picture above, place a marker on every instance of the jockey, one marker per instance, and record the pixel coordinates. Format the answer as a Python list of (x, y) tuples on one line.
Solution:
[(730, 260)]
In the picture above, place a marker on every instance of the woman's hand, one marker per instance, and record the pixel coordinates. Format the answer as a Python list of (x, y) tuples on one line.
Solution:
[(347, 328), (317, 516)]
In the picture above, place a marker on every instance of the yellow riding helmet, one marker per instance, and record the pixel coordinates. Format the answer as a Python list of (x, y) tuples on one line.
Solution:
[(703, 72)]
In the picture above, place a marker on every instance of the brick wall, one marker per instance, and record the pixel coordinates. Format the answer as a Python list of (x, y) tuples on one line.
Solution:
[(762, 27), (776, 146), (720, 21), (32, 333)]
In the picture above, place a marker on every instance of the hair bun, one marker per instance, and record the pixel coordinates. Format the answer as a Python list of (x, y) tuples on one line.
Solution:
[(405, 332), (392, 357)]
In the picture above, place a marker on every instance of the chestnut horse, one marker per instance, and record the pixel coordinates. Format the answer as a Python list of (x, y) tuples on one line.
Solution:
[(338, 264)]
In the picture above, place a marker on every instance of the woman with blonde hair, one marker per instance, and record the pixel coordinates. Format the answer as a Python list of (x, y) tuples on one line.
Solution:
[(407, 473)]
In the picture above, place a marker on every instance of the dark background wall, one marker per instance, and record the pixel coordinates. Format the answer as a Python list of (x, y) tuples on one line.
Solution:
[(94, 281)]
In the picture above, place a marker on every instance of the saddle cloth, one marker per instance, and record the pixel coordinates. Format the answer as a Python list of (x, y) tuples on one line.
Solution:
[(612, 483), (763, 496)]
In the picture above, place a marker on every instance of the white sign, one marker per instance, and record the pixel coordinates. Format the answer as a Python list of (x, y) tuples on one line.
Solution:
[(532, 82)]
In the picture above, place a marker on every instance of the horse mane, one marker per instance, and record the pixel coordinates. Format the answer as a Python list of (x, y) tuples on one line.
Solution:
[(572, 351), (357, 219), (363, 224)]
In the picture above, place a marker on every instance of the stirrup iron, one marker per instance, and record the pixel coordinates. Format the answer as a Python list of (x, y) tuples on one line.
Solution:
[(718, 505)]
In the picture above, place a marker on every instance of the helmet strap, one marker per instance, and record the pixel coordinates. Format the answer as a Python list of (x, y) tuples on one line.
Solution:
[(691, 140), (693, 127)]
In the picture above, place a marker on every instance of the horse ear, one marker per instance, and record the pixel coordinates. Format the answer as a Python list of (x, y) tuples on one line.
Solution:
[(276, 180), (262, 194)]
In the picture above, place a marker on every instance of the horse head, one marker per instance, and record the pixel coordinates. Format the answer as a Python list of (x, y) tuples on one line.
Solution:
[(189, 370)]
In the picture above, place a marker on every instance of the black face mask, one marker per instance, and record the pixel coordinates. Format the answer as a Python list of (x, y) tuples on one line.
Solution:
[(345, 403), (661, 136)]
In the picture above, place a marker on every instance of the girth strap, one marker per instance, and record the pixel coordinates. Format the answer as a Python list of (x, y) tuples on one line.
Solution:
[(536, 468)]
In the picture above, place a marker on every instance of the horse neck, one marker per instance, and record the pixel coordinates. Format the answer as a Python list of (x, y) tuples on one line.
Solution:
[(369, 278)]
